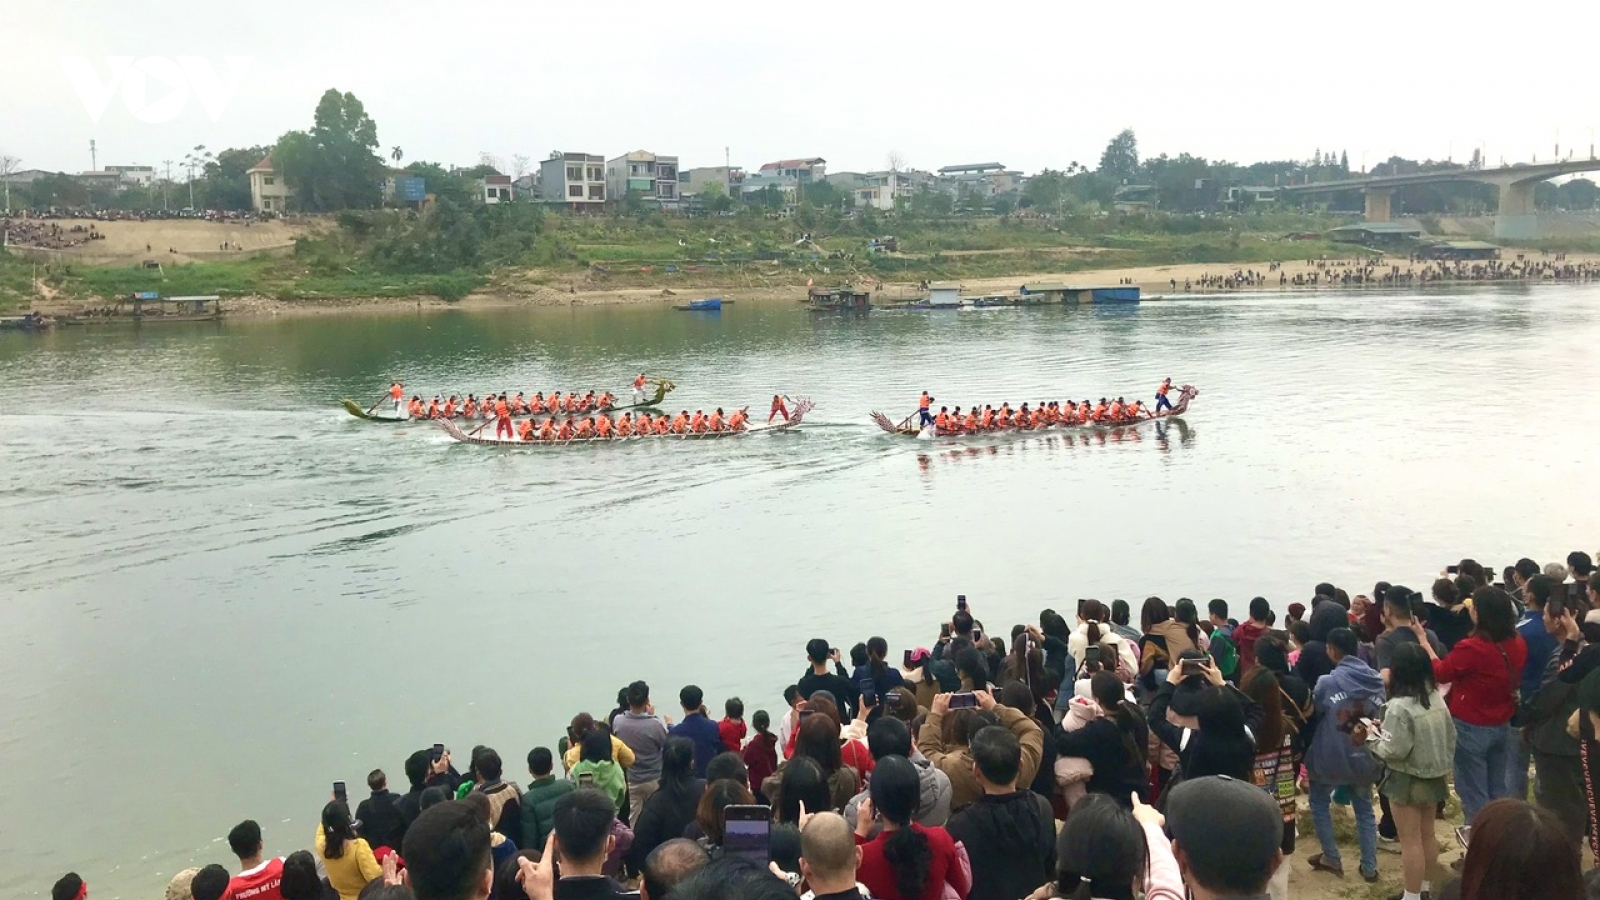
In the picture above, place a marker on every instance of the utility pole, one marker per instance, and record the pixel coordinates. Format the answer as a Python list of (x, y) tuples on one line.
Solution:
[(8, 164), (166, 183), (94, 158)]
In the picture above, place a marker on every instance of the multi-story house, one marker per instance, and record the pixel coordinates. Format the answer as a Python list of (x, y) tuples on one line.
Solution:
[(803, 171), (575, 179), (645, 175), (268, 193)]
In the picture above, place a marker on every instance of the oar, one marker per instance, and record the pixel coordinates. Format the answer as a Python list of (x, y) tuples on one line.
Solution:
[(376, 405)]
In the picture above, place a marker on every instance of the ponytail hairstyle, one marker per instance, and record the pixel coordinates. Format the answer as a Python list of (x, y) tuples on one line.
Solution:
[(1095, 614), (896, 790), (1100, 852), (1108, 691), (1189, 616), (877, 649), (336, 829)]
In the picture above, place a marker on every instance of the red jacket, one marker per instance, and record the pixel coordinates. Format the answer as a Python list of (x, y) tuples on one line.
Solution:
[(1482, 676), (1245, 635), (732, 734), (879, 878), (761, 758)]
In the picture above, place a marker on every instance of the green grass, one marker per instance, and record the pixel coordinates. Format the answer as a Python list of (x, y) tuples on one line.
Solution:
[(284, 279)]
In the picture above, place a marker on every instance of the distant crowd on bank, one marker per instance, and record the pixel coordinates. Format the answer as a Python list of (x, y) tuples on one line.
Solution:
[(1096, 759), (1367, 271)]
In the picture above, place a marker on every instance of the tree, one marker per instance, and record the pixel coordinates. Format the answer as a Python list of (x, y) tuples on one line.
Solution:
[(1121, 157), (198, 158), (225, 183), (519, 165), (335, 165), (396, 154), (715, 198), (1045, 192), (895, 161)]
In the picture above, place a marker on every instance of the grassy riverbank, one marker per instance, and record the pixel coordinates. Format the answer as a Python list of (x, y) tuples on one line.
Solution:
[(527, 257)]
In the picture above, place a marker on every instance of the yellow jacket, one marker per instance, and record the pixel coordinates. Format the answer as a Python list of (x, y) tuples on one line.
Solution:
[(352, 870), (622, 753)]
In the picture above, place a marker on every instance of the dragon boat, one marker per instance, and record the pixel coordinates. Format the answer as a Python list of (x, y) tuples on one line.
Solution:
[(801, 407), (909, 427), (663, 388)]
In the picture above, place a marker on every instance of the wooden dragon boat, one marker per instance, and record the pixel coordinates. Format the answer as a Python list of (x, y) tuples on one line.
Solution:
[(909, 428), (801, 407), (663, 388)]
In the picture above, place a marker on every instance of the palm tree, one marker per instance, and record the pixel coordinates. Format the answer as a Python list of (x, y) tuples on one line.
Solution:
[(397, 154)]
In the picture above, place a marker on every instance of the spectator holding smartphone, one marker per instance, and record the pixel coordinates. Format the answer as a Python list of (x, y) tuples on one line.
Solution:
[(1416, 741)]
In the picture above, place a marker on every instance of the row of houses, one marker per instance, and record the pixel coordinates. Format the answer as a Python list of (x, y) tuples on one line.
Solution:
[(580, 180)]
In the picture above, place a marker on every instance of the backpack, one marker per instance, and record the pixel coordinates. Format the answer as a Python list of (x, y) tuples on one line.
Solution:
[(1225, 654)]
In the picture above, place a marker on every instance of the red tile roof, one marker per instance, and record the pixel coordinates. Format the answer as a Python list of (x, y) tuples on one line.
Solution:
[(264, 166), (793, 163)]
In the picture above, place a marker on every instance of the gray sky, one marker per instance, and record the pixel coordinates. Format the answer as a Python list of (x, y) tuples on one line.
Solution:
[(1029, 85)]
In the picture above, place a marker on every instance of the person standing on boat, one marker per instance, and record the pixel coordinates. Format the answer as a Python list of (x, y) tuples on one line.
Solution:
[(1161, 396), (923, 408), (397, 392), (502, 417), (638, 389), (778, 409)]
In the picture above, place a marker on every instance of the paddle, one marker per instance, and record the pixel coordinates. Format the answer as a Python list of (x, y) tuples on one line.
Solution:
[(378, 404)]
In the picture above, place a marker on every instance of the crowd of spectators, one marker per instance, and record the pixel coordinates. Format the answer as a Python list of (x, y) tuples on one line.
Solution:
[(1089, 760)]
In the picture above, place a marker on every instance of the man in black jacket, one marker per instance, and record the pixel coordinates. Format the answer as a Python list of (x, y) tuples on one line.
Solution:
[(836, 682), (382, 823), (1010, 835), (424, 773)]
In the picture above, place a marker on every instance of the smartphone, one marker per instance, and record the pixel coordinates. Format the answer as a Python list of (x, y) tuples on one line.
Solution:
[(892, 701), (1452, 570), (1463, 835), (438, 752), (339, 792), (944, 631), (1193, 666), (747, 833), (1554, 608), (961, 602), (964, 700), (585, 779), (1091, 654), (907, 659)]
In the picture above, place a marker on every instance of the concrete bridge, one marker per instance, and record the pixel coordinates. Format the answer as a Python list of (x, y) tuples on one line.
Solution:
[(1517, 217)]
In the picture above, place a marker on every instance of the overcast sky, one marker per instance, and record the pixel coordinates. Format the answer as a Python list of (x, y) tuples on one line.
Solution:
[(1029, 85)]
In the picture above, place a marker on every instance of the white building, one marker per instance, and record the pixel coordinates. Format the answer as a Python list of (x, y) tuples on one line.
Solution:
[(495, 189), (645, 175), (801, 170), (575, 179), (143, 176), (692, 181), (268, 193)]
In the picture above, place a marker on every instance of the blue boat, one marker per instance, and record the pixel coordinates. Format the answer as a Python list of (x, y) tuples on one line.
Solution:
[(710, 304)]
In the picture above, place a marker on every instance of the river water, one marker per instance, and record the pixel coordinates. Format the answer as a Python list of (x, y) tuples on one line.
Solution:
[(221, 592)]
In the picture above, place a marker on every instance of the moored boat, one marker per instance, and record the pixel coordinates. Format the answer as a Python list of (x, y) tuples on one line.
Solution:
[(909, 427), (710, 304), (801, 407), (663, 388)]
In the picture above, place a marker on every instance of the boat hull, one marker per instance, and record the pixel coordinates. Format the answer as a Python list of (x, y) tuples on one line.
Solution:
[(906, 429), (802, 406), (662, 389)]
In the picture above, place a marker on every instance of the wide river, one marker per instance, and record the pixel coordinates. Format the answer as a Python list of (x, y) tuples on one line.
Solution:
[(221, 592)]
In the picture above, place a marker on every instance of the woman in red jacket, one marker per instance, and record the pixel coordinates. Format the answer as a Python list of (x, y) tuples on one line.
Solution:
[(1483, 671), (905, 861)]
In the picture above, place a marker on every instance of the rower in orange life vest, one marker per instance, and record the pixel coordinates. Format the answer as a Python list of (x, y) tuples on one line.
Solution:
[(778, 409), (941, 422), (1161, 396), (715, 424), (397, 393), (502, 416), (923, 410), (736, 422), (638, 389), (602, 426), (1115, 412), (525, 430), (680, 422), (625, 425), (415, 409), (547, 431)]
